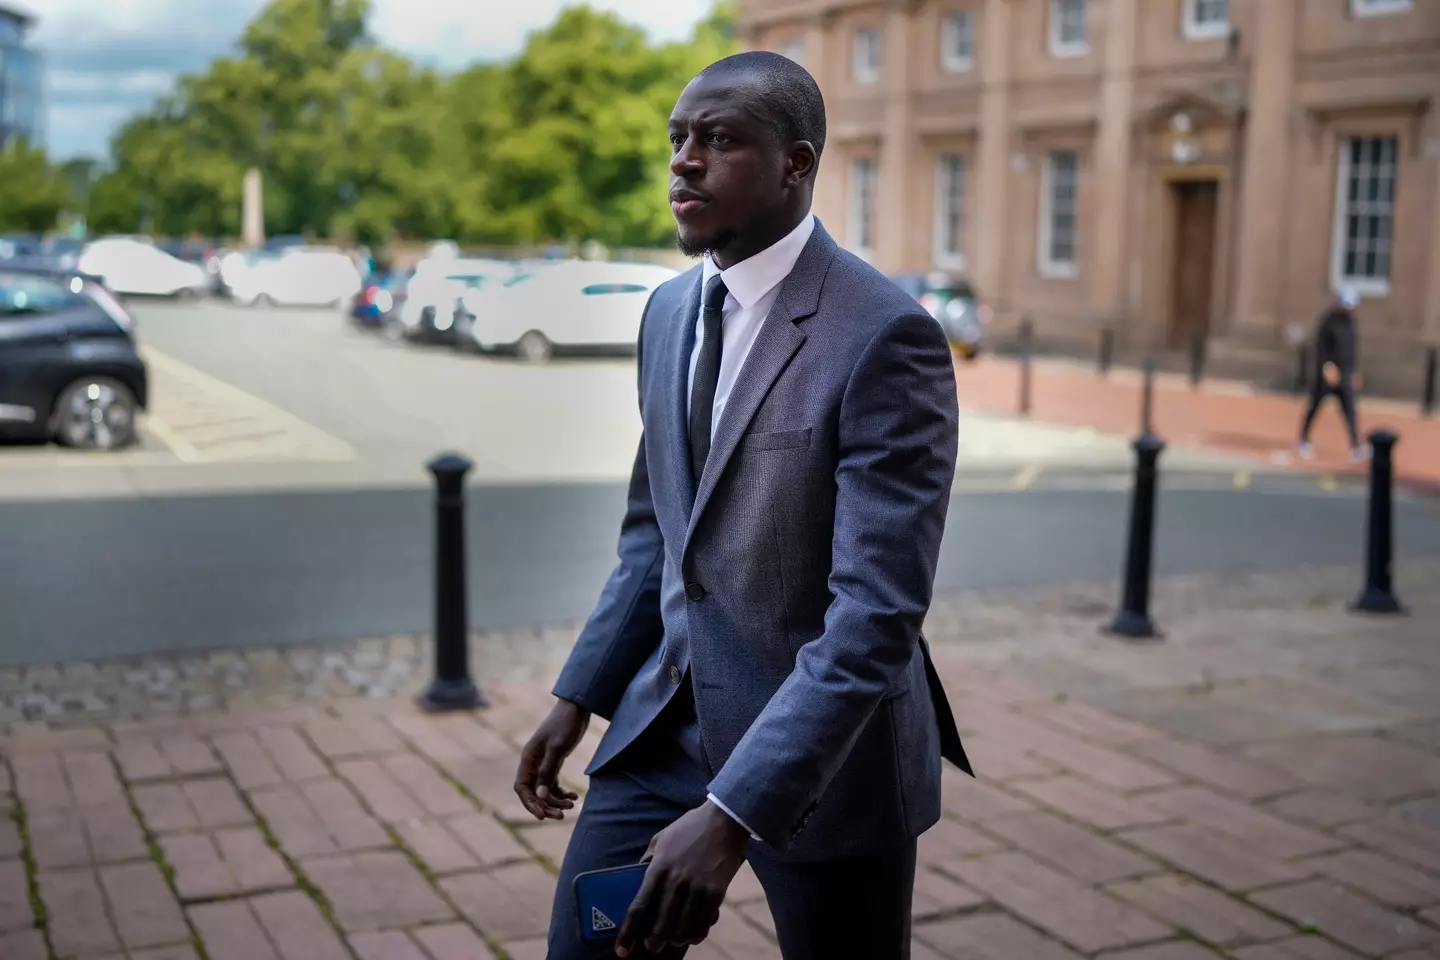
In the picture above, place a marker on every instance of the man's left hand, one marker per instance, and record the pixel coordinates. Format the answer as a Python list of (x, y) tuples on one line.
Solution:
[(692, 863)]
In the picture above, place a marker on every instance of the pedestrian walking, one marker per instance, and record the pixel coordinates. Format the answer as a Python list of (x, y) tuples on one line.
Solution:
[(1336, 373), (757, 650)]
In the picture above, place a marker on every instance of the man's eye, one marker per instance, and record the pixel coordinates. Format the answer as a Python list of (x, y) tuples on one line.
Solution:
[(676, 140), (719, 139)]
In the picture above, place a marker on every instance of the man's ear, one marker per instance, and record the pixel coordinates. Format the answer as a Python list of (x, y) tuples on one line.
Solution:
[(802, 163)]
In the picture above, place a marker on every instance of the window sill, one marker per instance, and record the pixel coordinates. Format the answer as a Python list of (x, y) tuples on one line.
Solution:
[(1059, 271), (1069, 51)]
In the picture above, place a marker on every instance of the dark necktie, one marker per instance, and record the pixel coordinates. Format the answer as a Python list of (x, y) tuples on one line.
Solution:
[(707, 374)]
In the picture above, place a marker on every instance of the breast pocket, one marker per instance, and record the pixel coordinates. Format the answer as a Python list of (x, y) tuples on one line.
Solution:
[(776, 440)]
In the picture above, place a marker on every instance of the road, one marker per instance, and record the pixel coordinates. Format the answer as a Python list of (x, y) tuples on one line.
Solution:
[(279, 497)]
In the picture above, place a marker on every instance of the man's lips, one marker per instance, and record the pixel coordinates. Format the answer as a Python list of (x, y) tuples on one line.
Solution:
[(687, 205)]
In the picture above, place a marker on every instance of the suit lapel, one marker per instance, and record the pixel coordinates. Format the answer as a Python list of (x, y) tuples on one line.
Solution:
[(680, 343), (776, 343)]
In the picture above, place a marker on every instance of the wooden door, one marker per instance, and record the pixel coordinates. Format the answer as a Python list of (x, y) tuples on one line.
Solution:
[(1196, 206)]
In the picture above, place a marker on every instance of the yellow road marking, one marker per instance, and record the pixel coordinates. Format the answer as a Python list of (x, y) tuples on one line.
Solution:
[(1328, 484), (1025, 478), (1242, 479)]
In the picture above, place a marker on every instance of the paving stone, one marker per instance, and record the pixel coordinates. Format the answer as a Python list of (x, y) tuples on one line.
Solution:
[(1091, 803), (452, 941), (402, 787), (145, 912), (745, 888), (949, 839), (353, 738), (231, 931), (535, 949), (15, 912), (1081, 720), (1320, 808), (92, 777), (1070, 910), (1217, 857), (1174, 950), (224, 863), (185, 952), (1380, 877), (247, 759), (9, 833), (1408, 841), (990, 937), (40, 782), (493, 781), (23, 945), (1368, 766), (976, 801), (77, 836), (296, 927), (1203, 911), (75, 895), (376, 891), (1345, 916), (997, 760), (1075, 850), (938, 895), (508, 903), (292, 756), (390, 945), (449, 738), (318, 817), (549, 840), (1252, 827), (732, 938), (1232, 773)]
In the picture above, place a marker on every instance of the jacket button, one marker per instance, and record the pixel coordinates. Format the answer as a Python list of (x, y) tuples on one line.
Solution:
[(694, 591), (674, 674)]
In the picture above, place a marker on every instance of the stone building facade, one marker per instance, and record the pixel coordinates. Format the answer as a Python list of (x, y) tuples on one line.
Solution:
[(1165, 168)]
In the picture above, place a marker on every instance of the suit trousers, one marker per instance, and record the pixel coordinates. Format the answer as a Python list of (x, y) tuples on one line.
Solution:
[(823, 910)]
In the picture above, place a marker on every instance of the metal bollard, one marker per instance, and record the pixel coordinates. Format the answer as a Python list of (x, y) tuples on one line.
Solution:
[(1107, 351), (1427, 399), (1147, 400), (1027, 343), (1133, 619), (1379, 593), (1197, 360), (452, 688)]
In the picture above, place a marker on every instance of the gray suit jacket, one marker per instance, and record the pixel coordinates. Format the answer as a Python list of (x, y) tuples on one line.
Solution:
[(792, 580)]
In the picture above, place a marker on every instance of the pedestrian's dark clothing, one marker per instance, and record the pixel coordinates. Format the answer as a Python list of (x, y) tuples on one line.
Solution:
[(1335, 342)]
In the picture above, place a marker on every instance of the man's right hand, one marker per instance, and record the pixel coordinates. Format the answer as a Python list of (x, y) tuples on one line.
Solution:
[(1332, 374), (537, 782)]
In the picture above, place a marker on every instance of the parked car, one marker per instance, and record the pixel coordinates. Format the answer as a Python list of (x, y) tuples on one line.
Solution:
[(574, 305), (954, 302), (18, 246), (69, 370), (297, 276), (134, 266), (435, 294)]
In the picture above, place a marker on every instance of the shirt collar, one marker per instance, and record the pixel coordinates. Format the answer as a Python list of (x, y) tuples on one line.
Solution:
[(753, 277)]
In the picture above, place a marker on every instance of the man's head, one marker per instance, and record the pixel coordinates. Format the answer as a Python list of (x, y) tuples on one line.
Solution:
[(746, 137), (1347, 299)]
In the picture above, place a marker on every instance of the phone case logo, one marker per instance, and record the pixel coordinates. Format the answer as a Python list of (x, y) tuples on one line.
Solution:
[(599, 922)]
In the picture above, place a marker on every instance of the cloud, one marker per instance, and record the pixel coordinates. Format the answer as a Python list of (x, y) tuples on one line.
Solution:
[(106, 61)]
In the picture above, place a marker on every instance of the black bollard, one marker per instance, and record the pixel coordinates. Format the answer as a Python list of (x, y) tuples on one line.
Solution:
[(1379, 593), (1107, 350), (1197, 360), (452, 688), (1427, 398), (1302, 368), (1133, 619), (1027, 347), (1147, 399)]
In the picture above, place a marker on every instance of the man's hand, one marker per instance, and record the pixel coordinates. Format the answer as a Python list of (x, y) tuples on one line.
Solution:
[(692, 863), (537, 782), (1332, 374)]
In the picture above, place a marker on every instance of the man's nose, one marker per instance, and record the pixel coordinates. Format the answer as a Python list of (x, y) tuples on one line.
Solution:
[(686, 162)]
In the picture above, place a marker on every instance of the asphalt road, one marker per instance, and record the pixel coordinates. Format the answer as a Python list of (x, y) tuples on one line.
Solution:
[(279, 497), (96, 579)]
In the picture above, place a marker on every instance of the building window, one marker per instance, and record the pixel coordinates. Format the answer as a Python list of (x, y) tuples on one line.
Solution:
[(866, 66), (1206, 19), (794, 51), (957, 42), (862, 206), (1059, 192), (1378, 8), (950, 211), (1067, 28), (1364, 215)]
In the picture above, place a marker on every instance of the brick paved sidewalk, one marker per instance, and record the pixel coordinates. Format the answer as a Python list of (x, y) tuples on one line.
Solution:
[(1222, 417), (1262, 785)]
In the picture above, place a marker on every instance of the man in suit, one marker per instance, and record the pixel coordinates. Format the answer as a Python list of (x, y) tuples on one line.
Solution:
[(757, 650)]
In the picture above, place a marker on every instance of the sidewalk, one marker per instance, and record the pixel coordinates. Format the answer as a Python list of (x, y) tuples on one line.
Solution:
[(1264, 784), (1225, 417)]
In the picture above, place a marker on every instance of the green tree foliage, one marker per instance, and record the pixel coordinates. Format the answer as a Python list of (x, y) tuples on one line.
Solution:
[(32, 192), (565, 142)]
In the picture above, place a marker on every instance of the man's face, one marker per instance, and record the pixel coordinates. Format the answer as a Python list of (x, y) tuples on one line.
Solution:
[(727, 168)]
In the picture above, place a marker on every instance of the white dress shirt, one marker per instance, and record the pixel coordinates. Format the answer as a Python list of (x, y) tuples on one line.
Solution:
[(752, 285)]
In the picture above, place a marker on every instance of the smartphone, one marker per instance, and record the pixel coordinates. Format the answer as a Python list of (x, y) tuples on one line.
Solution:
[(602, 898)]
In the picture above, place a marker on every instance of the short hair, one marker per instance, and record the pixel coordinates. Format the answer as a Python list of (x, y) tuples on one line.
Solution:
[(784, 90)]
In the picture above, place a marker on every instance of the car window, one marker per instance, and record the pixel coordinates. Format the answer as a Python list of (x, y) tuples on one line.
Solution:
[(26, 295), (596, 289)]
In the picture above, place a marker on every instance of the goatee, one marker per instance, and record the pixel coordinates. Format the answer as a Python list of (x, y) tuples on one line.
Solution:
[(705, 245)]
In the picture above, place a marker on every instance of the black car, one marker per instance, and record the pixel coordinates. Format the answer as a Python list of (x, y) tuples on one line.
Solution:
[(69, 369)]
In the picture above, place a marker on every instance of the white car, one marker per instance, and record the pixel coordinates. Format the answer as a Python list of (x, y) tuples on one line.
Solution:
[(298, 277), (433, 297), (575, 304), (128, 265)]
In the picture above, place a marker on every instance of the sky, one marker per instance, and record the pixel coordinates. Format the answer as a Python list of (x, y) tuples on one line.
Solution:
[(107, 59)]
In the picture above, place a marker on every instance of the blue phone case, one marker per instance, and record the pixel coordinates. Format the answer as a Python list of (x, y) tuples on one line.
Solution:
[(602, 898)]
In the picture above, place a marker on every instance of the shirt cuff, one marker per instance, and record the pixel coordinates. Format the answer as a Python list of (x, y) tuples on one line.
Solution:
[(726, 810)]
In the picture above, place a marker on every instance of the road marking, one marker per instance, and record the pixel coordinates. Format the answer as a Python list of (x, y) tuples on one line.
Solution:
[(1328, 484), (1025, 478), (203, 419), (1242, 479)]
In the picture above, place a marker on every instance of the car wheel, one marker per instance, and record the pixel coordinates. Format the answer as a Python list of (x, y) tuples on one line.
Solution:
[(533, 347), (187, 294), (264, 300), (94, 413)]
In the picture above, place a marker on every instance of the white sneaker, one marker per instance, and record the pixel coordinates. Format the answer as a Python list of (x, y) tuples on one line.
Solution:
[(1360, 454), (1306, 450)]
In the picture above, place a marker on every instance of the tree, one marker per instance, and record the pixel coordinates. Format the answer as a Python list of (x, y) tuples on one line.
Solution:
[(32, 192)]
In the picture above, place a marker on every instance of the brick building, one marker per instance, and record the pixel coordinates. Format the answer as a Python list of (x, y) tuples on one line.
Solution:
[(1164, 167)]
